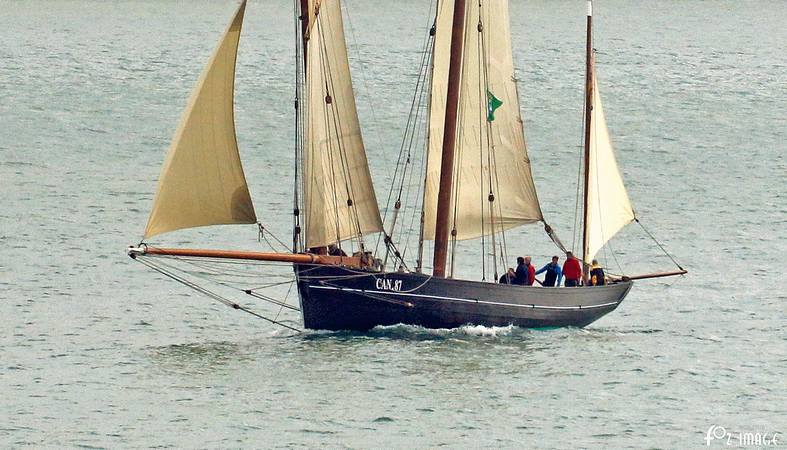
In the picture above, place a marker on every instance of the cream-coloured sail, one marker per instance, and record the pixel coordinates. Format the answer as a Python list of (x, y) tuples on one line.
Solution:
[(609, 208), (486, 65), (202, 181), (335, 168)]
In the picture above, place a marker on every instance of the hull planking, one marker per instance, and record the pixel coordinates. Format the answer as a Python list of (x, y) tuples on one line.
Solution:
[(340, 298)]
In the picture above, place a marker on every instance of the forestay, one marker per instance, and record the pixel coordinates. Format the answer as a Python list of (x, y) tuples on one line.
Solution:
[(609, 208), (339, 198), (483, 148), (202, 181)]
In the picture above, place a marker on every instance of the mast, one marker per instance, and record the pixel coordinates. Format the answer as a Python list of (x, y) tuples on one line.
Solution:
[(305, 27), (300, 135), (449, 142), (588, 112)]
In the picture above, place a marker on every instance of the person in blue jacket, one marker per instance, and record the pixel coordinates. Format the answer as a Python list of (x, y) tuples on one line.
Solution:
[(554, 273)]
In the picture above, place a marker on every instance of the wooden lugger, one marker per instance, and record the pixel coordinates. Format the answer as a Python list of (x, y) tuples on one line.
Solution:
[(339, 298)]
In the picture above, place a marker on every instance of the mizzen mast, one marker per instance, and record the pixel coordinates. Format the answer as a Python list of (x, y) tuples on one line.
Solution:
[(588, 116), (449, 142)]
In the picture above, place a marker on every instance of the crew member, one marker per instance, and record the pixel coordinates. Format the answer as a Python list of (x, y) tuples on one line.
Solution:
[(334, 250), (531, 272), (521, 274), (572, 270), (553, 273), (596, 274), (508, 277)]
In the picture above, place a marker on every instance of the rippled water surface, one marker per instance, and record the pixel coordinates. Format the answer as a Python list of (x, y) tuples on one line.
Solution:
[(99, 351)]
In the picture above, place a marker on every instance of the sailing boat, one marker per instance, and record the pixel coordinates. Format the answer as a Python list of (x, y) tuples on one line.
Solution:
[(475, 155)]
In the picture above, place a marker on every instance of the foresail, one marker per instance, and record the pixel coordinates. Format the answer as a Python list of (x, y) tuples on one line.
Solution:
[(609, 208), (202, 181), (339, 198), (488, 152)]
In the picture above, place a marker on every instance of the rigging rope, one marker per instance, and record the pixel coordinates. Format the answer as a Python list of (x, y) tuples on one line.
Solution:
[(328, 100), (270, 300), (553, 236), (362, 71), (345, 166), (208, 293), (658, 243), (404, 171), (420, 192), (261, 237), (286, 297), (297, 236), (333, 124), (483, 86), (215, 275)]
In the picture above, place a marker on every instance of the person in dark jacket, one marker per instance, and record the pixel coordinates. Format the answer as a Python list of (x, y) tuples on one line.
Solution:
[(334, 250), (522, 273), (508, 277), (572, 270), (554, 274), (597, 274)]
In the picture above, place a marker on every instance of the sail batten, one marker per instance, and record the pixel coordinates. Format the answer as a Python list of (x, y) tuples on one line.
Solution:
[(491, 154), (609, 207), (339, 197), (202, 180)]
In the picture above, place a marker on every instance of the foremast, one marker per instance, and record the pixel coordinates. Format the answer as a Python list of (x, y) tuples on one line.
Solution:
[(338, 196), (301, 49), (202, 182)]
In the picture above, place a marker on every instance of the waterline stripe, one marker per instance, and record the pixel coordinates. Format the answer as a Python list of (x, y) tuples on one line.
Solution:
[(465, 300)]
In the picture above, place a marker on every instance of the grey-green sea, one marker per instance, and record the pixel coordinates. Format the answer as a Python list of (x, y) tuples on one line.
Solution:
[(98, 351)]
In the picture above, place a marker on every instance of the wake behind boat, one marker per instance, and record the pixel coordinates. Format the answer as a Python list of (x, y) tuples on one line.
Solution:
[(474, 154)]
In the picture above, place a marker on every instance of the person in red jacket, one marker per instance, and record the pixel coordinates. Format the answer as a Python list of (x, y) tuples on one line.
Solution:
[(531, 272), (572, 270)]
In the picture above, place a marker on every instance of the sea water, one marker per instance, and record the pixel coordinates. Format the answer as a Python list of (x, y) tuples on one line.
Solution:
[(99, 351)]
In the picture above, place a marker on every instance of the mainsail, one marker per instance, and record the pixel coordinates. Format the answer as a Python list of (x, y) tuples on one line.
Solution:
[(202, 181), (490, 156), (339, 198), (609, 208)]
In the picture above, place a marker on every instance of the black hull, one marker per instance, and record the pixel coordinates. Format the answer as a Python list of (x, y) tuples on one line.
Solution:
[(337, 298)]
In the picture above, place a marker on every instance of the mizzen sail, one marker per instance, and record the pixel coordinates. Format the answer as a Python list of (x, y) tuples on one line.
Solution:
[(202, 181), (339, 198), (609, 208), (490, 155)]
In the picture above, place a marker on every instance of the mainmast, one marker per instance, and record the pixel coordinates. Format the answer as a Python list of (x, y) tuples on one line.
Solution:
[(588, 112), (442, 221)]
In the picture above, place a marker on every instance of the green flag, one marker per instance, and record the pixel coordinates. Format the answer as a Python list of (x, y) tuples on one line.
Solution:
[(492, 104)]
